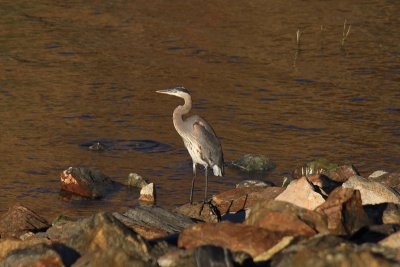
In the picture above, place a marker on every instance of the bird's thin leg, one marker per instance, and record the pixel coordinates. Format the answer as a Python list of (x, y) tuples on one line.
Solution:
[(205, 192), (194, 176)]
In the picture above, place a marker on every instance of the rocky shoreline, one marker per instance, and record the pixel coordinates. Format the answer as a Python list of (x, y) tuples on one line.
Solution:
[(324, 215)]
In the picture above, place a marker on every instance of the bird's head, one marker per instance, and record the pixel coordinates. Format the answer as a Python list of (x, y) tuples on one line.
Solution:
[(177, 91)]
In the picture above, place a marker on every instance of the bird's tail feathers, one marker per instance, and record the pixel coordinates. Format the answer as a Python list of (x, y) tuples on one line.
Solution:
[(218, 171)]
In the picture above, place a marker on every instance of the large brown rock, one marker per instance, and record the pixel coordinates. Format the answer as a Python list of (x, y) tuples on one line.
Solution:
[(19, 220), (85, 182), (344, 211), (236, 237), (99, 233), (286, 218), (372, 192), (301, 193), (35, 252), (237, 199), (329, 251)]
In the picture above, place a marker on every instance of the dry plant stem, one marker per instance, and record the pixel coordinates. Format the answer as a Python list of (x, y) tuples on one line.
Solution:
[(345, 33)]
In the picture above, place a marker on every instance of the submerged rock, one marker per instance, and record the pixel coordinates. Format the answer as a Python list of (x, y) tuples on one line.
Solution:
[(344, 211), (85, 182), (19, 220), (157, 217), (372, 192), (301, 193), (253, 164), (135, 180), (148, 193), (98, 147), (253, 183), (235, 237), (238, 199)]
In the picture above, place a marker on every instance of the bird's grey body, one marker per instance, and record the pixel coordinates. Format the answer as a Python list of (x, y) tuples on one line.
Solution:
[(198, 136)]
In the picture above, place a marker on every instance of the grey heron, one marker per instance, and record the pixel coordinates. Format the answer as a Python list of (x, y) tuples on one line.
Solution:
[(198, 137)]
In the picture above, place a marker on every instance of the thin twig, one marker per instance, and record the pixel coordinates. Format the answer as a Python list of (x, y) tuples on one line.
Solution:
[(345, 33)]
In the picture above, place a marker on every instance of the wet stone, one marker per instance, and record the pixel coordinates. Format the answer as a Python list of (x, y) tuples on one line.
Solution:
[(85, 182), (253, 164), (253, 183), (99, 147), (135, 180)]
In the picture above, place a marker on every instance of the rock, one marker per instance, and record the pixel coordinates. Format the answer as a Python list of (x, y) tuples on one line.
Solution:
[(253, 164), (286, 218), (157, 217), (314, 167), (19, 220), (330, 250), (323, 182), (207, 255), (377, 174), (238, 199), (389, 179), (236, 237), (206, 212), (35, 252), (374, 233), (392, 241), (148, 193), (301, 193), (110, 257), (135, 180), (254, 183), (64, 218), (100, 233), (99, 147), (177, 258), (85, 182), (267, 255), (372, 192), (391, 215), (342, 174), (344, 211)]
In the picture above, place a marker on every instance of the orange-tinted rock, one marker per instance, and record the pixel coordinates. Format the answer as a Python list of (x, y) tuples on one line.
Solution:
[(344, 211), (392, 241), (236, 237), (238, 199), (148, 232), (284, 222), (287, 218), (19, 220), (85, 182), (301, 193)]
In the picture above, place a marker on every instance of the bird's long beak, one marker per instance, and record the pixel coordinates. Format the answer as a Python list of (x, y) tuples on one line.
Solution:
[(164, 91)]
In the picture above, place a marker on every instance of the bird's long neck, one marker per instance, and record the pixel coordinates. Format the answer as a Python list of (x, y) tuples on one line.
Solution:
[(180, 111)]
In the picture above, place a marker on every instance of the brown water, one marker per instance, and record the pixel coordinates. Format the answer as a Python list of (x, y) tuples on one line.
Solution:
[(79, 72)]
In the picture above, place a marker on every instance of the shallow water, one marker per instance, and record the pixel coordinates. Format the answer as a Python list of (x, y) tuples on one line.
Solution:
[(80, 72)]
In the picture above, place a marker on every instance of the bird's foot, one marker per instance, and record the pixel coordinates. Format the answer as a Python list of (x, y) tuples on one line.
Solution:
[(213, 209)]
